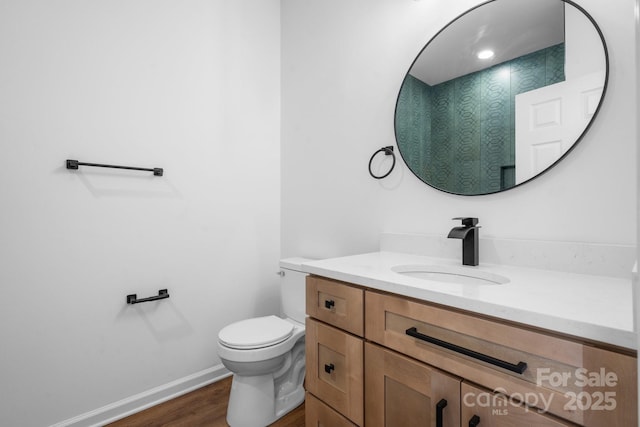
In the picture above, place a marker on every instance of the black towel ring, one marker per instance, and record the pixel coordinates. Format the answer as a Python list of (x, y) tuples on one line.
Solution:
[(387, 151)]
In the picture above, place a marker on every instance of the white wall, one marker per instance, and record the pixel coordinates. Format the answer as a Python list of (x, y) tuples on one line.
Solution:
[(191, 86), (636, 281), (343, 63)]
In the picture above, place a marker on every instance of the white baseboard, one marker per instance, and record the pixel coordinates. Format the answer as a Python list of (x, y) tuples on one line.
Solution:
[(141, 401)]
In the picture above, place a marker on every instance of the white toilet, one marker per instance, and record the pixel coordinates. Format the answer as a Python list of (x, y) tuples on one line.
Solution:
[(266, 356)]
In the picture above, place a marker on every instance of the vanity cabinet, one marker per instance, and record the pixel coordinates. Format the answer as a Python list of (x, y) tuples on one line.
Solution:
[(379, 359)]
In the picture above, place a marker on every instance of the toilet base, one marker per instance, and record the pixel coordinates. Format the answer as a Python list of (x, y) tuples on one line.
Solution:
[(251, 402)]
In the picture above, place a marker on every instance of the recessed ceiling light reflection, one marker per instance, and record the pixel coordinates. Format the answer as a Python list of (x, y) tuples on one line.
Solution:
[(485, 54)]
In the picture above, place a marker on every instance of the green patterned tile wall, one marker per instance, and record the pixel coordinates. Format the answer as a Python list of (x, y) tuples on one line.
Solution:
[(460, 135)]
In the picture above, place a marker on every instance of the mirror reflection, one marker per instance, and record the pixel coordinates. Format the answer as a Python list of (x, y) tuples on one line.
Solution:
[(500, 95)]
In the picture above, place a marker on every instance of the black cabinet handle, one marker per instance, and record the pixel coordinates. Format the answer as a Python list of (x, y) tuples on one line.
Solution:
[(474, 421), (329, 304), (439, 409), (518, 369), (328, 368)]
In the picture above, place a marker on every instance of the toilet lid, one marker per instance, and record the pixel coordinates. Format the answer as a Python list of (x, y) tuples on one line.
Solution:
[(255, 333)]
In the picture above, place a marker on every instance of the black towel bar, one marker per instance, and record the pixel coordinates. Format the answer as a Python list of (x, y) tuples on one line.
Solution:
[(133, 298), (73, 164)]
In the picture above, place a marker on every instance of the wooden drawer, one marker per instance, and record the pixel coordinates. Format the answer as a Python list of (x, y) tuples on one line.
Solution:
[(334, 370), (567, 378), (318, 414), (336, 303)]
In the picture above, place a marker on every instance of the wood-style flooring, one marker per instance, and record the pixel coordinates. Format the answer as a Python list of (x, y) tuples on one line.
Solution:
[(205, 407)]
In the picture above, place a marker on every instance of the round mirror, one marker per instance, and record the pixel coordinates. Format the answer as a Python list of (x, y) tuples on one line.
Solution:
[(501, 94)]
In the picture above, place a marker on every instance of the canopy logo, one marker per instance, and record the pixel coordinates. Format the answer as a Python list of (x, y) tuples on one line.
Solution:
[(591, 393)]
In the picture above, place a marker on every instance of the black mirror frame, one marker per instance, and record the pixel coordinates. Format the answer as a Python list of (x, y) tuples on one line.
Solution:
[(584, 132)]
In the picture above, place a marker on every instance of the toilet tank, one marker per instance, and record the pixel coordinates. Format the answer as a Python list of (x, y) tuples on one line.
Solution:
[(292, 288)]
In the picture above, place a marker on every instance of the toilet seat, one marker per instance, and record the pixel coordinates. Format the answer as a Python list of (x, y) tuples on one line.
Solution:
[(255, 333)]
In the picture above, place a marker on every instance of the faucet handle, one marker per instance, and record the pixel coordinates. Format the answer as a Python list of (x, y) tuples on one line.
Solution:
[(467, 221)]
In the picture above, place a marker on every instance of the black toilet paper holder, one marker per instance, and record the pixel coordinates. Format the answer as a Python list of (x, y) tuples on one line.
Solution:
[(133, 298)]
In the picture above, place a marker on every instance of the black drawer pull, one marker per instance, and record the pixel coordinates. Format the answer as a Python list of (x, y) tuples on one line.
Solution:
[(474, 421), (328, 368), (518, 369), (329, 304), (439, 408)]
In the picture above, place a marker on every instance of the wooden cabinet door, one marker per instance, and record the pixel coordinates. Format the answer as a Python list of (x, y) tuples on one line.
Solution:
[(483, 408), (400, 392), (318, 414), (334, 369)]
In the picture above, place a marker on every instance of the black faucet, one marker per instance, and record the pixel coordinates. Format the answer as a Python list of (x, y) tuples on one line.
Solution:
[(469, 235)]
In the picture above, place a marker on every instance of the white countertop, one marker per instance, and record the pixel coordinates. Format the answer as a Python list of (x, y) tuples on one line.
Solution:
[(597, 308)]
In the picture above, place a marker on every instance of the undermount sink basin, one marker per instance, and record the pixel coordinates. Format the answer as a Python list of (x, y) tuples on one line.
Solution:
[(451, 274)]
